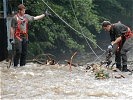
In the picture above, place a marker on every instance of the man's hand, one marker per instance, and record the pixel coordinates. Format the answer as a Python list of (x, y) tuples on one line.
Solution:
[(47, 13), (11, 41)]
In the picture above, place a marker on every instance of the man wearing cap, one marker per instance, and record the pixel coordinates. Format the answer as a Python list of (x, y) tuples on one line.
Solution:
[(121, 36), (19, 34)]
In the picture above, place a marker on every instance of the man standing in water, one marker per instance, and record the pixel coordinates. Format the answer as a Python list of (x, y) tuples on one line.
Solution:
[(122, 36), (19, 31)]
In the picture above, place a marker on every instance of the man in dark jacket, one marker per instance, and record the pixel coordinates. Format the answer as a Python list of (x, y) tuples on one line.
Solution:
[(121, 36)]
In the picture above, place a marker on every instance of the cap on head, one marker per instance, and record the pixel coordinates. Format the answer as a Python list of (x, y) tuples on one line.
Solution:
[(105, 23), (21, 6)]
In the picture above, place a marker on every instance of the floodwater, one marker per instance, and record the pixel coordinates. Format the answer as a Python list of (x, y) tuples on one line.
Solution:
[(58, 82)]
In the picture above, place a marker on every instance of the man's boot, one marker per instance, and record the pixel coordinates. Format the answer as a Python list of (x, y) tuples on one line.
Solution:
[(118, 66), (124, 68)]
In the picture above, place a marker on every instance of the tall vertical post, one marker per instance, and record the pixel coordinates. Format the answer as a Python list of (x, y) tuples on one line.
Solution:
[(3, 33), (22, 2), (5, 8)]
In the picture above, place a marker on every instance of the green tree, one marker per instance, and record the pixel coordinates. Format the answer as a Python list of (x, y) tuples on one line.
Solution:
[(51, 34), (115, 10)]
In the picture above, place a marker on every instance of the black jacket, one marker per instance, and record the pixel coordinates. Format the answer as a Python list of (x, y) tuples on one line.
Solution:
[(118, 30)]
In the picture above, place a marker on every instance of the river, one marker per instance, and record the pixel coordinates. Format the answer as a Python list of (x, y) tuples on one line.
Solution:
[(58, 82)]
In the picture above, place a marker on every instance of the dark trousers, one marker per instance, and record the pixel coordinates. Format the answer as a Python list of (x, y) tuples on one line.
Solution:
[(20, 52), (118, 58), (121, 56), (128, 45)]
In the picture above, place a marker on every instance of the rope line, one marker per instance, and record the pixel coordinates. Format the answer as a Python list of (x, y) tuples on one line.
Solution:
[(82, 30), (71, 26), (99, 57), (77, 32)]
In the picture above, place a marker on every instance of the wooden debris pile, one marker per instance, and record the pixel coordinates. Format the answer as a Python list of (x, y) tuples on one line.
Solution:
[(103, 72), (44, 59), (100, 72)]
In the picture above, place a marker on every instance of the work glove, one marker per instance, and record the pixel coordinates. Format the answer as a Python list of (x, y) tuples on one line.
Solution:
[(11, 41), (47, 13), (110, 47)]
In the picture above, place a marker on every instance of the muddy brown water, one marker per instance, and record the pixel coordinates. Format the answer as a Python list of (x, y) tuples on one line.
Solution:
[(58, 82)]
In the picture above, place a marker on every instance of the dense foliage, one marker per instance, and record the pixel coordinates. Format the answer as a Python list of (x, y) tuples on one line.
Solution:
[(115, 10), (51, 34)]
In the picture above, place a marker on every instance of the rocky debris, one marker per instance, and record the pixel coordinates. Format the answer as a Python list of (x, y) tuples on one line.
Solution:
[(103, 72)]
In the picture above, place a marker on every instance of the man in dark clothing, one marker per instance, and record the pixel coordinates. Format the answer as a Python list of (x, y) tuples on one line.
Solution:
[(19, 34), (121, 36)]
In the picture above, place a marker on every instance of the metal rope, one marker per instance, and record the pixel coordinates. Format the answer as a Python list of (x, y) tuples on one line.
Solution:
[(82, 30), (75, 29), (70, 25)]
